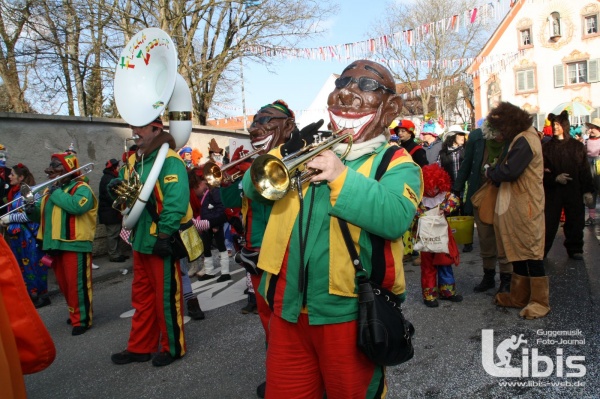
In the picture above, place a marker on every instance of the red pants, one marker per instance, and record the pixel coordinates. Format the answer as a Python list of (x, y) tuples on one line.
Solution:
[(157, 298), (73, 272), (304, 361), (264, 311)]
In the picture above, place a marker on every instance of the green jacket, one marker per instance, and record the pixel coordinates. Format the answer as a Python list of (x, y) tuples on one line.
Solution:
[(68, 218), (327, 291), (170, 197)]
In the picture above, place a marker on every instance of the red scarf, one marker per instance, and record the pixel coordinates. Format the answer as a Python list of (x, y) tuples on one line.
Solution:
[(12, 192)]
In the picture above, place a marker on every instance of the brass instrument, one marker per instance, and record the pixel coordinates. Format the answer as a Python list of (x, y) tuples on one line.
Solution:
[(215, 175), (28, 193), (128, 192), (272, 177)]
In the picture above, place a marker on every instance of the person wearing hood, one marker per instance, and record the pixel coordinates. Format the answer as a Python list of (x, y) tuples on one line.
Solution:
[(519, 210), (568, 185), (157, 288), (109, 216)]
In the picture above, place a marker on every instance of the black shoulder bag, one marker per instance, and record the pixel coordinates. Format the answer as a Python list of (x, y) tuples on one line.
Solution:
[(384, 335)]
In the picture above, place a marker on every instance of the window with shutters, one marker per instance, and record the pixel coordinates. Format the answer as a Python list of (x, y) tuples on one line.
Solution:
[(526, 81), (559, 75)]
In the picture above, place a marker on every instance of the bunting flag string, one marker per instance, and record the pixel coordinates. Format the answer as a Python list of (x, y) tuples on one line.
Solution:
[(493, 10), (487, 65)]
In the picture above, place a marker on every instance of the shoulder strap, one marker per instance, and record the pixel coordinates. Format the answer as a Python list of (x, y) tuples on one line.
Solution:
[(383, 165), (350, 245), (414, 149), (385, 161)]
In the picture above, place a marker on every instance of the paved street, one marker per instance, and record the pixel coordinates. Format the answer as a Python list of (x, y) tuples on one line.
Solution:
[(226, 351)]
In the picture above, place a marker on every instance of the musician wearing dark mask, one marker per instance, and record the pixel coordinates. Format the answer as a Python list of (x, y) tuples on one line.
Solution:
[(156, 289), (273, 125), (308, 278), (68, 212)]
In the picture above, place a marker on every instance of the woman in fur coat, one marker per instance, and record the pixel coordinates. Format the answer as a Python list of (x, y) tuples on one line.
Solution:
[(567, 184)]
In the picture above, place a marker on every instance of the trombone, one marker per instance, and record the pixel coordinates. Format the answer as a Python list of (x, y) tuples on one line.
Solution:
[(215, 175), (28, 193), (272, 177)]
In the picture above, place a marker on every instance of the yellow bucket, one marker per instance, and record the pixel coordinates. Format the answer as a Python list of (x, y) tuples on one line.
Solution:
[(462, 228)]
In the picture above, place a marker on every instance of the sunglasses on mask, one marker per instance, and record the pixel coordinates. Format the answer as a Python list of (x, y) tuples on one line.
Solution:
[(364, 83), (55, 165), (263, 120)]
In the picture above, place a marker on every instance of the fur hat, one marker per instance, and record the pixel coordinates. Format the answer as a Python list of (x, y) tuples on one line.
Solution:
[(563, 119), (69, 161)]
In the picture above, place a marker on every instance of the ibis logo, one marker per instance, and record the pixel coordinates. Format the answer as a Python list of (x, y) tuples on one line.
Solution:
[(498, 361)]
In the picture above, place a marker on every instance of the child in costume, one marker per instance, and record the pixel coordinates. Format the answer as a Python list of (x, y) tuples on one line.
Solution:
[(437, 278)]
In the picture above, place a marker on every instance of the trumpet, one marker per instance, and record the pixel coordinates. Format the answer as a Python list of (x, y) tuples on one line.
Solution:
[(272, 177), (215, 175), (28, 193)]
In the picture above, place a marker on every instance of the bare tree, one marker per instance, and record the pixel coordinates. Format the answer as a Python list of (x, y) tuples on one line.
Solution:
[(72, 46), (430, 57), (13, 67), (211, 35)]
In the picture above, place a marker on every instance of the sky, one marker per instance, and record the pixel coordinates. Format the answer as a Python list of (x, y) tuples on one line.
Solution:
[(298, 81)]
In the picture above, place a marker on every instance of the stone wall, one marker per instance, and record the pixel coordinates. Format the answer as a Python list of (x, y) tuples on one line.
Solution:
[(31, 139)]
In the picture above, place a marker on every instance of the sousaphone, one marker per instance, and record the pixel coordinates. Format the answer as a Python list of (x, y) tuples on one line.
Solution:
[(146, 82)]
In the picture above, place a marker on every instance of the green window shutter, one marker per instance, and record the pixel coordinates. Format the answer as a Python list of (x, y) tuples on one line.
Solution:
[(559, 76), (541, 119), (592, 70), (520, 81), (530, 80)]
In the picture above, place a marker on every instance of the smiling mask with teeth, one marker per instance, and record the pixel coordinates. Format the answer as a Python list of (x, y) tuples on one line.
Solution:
[(368, 112), (272, 126)]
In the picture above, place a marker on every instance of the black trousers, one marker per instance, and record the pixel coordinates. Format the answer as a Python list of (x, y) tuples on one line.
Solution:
[(207, 239), (572, 202)]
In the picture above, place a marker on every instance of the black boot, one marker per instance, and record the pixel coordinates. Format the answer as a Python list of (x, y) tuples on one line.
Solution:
[(487, 282), (194, 310), (504, 282)]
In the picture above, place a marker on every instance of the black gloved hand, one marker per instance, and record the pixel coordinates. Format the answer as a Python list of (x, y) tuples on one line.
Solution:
[(162, 246), (300, 138), (52, 189), (114, 185), (29, 207)]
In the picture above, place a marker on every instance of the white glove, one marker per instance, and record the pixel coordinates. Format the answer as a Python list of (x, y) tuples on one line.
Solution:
[(563, 178), (588, 200), (5, 220)]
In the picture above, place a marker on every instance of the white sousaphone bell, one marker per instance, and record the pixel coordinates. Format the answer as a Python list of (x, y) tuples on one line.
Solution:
[(146, 81)]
